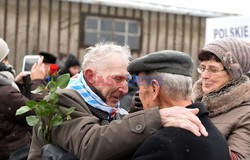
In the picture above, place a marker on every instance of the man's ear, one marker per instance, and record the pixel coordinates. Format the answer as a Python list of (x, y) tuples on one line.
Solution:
[(155, 86), (89, 74)]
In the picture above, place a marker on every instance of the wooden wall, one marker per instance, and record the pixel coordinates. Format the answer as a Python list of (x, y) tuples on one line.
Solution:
[(30, 26)]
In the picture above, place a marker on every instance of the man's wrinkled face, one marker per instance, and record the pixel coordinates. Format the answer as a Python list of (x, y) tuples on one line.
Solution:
[(145, 94), (112, 79)]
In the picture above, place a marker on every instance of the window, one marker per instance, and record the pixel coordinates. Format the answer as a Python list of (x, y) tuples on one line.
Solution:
[(122, 31)]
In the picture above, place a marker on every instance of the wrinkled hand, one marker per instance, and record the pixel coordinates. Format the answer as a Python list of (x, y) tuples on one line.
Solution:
[(183, 118), (38, 70), (136, 104), (19, 77)]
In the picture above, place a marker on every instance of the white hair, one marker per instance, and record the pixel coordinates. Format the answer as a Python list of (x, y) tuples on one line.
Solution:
[(176, 86), (99, 54)]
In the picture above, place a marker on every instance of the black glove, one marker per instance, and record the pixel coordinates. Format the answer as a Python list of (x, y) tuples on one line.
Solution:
[(54, 152), (136, 104)]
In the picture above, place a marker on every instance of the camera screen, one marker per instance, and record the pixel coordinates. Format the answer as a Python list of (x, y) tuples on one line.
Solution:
[(29, 63)]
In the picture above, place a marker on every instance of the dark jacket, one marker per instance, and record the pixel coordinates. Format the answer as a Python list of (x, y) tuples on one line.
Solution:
[(178, 144), (14, 132), (30, 85), (88, 137)]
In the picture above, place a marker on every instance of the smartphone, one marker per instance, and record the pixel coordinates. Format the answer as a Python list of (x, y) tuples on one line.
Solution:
[(28, 62)]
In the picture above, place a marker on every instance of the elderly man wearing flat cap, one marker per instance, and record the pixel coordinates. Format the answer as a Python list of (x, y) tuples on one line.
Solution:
[(96, 130), (165, 81)]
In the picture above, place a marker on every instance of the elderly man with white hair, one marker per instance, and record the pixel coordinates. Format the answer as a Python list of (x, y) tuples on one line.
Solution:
[(99, 128)]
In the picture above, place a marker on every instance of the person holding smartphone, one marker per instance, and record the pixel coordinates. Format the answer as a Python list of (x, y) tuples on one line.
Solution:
[(15, 133), (29, 79)]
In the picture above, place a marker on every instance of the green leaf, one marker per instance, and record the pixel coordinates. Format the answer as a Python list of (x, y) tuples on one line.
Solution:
[(31, 103), (63, 80), (40, 109), (53, 97), (52, 86), (23, 110), (49, 110), (38, 89), (56, 120), (43, 103), (44, 108), (70, 110), (32, 120)]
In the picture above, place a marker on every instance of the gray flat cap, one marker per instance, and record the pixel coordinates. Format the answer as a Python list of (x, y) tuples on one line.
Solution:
[(166, 61)]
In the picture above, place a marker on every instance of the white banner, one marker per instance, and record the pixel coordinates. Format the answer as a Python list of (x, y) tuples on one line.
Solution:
[(217, 28)]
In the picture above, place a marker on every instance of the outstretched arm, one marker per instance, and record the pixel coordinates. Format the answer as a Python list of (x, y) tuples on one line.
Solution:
[(183, 118)]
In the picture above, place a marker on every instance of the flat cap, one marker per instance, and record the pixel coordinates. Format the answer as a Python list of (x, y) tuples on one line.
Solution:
[(166, 61)]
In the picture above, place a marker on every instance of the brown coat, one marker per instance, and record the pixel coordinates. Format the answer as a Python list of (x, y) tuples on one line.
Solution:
[(14, 131), (85, 137), (229, 110)]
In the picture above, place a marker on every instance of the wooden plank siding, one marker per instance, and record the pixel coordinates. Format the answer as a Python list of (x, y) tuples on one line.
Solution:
[(30, 26)]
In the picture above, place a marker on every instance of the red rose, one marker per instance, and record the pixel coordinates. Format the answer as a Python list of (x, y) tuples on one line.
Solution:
[(53, 69)]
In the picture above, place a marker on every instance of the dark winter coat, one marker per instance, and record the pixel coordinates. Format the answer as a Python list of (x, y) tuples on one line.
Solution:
[(14, 132), (178, 144)]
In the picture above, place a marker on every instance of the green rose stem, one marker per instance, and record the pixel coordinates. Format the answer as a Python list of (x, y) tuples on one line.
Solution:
[(47, 113)]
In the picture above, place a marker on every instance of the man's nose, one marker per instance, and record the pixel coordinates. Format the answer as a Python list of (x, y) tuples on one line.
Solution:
[(123, 87)]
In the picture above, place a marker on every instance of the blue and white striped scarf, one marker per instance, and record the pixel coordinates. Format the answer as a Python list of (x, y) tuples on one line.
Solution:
[(78, 83)]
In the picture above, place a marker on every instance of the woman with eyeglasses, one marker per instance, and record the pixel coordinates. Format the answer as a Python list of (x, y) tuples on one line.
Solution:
[(224, 89)]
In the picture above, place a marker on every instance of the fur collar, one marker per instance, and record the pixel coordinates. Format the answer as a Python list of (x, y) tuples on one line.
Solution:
[(4, 81), (232, 95), (6, 78)]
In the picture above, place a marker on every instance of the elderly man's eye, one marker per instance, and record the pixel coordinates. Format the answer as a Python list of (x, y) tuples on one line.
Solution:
[(118, 78)]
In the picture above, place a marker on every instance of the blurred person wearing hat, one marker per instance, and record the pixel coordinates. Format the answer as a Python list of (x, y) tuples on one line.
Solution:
[(224, 89), (14, 130), (49, 63), (164, 80), (99, 128), (72, 66), (61, 59)]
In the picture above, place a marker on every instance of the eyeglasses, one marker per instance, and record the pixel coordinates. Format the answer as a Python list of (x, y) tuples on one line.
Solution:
[(202, 69)]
